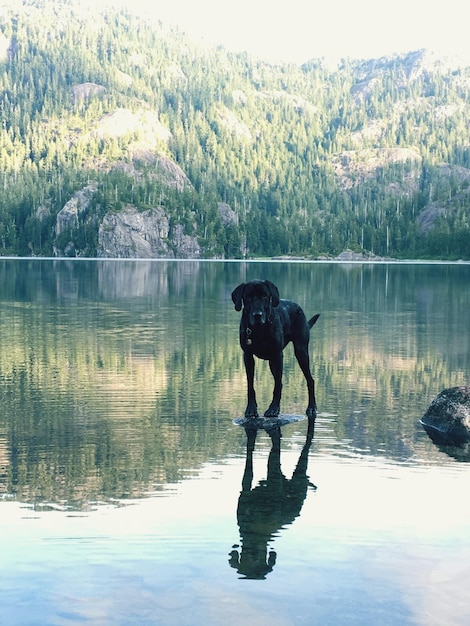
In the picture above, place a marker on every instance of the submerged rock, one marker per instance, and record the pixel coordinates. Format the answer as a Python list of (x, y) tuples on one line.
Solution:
[(447, 419)]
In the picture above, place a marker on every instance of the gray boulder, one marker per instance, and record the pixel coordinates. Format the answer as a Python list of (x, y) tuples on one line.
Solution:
[(447, 419)]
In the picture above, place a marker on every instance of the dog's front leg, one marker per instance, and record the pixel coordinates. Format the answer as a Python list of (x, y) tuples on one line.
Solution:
[(251, 407), (275, 365)]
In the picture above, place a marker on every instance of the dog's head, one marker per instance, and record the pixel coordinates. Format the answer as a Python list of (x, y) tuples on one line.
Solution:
[(257, 297)]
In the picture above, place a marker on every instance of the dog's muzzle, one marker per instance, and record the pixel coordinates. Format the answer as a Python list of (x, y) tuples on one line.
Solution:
[(257, 318)]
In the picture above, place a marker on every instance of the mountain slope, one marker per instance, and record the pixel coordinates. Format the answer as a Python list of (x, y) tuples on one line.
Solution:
[(311, 160)]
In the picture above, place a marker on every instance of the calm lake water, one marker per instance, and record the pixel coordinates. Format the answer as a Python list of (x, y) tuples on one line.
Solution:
[(121, 472)]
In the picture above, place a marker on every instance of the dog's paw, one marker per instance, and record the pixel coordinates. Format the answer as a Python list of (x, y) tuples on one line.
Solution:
[(272, 411), (251, 412)]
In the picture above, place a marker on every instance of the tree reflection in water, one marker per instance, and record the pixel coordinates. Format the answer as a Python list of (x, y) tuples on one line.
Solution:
[(274, 503)]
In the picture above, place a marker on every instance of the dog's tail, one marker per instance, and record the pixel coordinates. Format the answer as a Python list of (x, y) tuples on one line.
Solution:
[(312, 320)]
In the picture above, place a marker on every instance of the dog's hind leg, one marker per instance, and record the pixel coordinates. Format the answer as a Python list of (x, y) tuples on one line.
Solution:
[(275, 365), (304, 362), (251, 407)]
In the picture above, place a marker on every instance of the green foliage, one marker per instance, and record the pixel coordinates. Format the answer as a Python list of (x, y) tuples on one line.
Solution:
[(278, 143)]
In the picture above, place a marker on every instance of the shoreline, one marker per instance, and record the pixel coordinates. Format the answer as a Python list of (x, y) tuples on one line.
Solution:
[(286, 259)]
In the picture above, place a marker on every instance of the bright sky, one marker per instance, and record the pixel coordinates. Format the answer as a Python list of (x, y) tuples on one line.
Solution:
[(296, 30)]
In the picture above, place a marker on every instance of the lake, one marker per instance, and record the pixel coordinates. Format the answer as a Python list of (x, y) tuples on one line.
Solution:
[(121, 472)]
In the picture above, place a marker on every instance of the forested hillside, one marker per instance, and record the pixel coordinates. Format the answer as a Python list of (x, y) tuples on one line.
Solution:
[(107, 114)]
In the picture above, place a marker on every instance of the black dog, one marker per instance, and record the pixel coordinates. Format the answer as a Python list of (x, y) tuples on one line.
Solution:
[(268, 324)]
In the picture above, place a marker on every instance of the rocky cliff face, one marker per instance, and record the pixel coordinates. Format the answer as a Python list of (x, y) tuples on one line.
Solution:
[(131, 234), (67, 218), (68, 221), (127, 234)]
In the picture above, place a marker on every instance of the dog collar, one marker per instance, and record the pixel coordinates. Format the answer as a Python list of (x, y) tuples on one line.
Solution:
[(248, 336)]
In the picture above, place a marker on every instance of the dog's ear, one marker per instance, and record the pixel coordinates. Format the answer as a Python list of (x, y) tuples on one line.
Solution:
[(237, 296), (274, 292)]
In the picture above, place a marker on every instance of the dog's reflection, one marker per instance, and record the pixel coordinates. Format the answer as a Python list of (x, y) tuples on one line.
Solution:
[(263, 510)]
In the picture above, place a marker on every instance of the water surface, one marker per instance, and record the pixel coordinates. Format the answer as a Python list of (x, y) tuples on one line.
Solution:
[(121, 471)]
